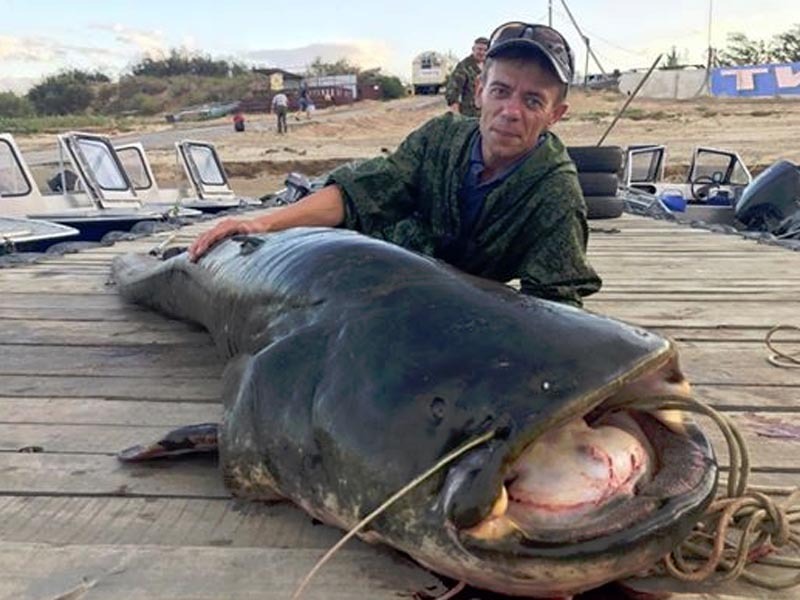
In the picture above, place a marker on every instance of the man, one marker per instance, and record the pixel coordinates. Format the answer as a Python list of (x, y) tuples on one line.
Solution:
[(496, 197), (280, 106), (460, 92)]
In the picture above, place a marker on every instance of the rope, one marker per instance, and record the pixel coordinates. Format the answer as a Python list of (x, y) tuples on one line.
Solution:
[(743, 526), (778, 358)]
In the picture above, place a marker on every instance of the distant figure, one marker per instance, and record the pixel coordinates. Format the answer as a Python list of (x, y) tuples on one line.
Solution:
[(460, 92), (238, 121), (306, 104), (280, 106)]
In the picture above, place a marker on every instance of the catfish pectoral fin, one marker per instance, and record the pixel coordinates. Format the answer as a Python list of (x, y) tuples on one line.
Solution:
[(185, 440)]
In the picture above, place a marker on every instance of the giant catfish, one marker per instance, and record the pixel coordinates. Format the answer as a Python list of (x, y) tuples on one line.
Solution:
[(356, 365)]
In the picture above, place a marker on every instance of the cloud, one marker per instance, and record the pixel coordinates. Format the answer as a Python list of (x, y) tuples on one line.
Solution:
[(366, 54), (30, 49), (147, 42)]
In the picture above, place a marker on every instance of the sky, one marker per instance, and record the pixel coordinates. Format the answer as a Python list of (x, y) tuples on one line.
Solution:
[(41, 37)]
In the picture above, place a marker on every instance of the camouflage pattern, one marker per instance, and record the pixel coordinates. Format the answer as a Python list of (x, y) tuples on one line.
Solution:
[(532, 226), (461, 86)]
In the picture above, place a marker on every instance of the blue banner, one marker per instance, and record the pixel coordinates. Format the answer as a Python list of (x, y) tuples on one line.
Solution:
[(757, 80)]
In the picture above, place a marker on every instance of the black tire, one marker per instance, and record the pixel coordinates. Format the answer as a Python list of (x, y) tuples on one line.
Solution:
[(604, 207), (596, 159), (599, 184)]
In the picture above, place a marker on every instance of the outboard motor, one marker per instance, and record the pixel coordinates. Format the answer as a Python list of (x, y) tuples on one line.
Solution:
[(771, 197)]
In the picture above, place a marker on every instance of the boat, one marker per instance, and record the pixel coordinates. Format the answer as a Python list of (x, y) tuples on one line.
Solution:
[(716, 179), (93, 207), (718, 190), (208, 188), (19, 235), (98, 161)]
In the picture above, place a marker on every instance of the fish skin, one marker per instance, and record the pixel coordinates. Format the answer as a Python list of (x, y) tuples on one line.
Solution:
[(356, 365)]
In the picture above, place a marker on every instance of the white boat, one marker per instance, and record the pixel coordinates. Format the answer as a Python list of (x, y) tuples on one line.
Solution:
[(94, 207), (31, 235), (208, 187)]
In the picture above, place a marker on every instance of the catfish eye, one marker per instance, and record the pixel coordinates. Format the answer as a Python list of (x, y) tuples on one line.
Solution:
[(438, 407)]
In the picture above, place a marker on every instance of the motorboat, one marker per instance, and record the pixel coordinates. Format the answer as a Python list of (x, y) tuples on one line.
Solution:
[(716, 179), (94, 208), (31, 235), (207, 190), (718, 189)]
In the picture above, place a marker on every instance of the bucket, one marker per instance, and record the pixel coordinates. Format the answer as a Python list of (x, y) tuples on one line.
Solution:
[(674, 201)]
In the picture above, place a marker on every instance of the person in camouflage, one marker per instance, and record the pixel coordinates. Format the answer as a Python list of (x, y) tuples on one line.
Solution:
[(496, 197), (460, 91)]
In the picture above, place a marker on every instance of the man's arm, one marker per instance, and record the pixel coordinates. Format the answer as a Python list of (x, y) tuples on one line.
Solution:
[(556, 266), (324, 208), (455, 87)]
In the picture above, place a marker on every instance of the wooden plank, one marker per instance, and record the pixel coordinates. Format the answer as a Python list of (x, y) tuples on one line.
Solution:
[(41, 571), (177, 389), (97, 475), (233, 523), (674, 313), (149, 361), (96, 411), (71, 333)]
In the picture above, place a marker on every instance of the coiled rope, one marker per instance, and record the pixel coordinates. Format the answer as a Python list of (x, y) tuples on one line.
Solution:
[(745, 526), (779, 358)]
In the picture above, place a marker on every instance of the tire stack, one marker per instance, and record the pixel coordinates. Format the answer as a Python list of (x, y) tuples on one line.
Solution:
[(598, 173)]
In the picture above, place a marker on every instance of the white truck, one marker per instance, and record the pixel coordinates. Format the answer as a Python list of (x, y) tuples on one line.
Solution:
[(429, 72)]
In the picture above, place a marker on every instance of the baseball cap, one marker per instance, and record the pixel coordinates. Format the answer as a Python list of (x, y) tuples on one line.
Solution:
[(544, 39)]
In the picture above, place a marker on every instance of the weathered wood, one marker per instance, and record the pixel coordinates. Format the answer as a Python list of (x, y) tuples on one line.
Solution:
[(83, 372), (234, 523), (199, 573), (176, 389), (97, 411), (148, 361), (81, 333), (30, 473)]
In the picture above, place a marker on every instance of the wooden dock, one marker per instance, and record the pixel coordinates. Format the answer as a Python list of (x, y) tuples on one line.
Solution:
[(84, 375)]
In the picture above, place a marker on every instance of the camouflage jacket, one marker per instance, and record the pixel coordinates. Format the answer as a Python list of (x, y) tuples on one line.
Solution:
[(461, 86), (532, 226)]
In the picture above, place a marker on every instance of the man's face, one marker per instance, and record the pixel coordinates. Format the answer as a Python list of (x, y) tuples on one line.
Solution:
[(479, 52), (518, 102)]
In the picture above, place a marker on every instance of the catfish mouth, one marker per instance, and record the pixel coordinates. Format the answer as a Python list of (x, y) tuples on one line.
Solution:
[(602, 479)]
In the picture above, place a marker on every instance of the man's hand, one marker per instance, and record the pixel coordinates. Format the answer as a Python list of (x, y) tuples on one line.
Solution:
[(220, 231), (455, 107)]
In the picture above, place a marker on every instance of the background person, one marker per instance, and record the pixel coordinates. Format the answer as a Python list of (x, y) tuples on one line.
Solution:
[(460, 91), (280, 106), (496, 197)]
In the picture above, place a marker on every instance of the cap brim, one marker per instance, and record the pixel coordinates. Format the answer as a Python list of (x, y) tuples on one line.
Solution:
[(535, 48)]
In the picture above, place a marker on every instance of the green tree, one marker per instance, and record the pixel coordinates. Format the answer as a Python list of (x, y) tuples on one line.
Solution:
[(391, 87), (12, 105), (69, 92), (741, 50), (180, 62), (786, 46), (343, 66)]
